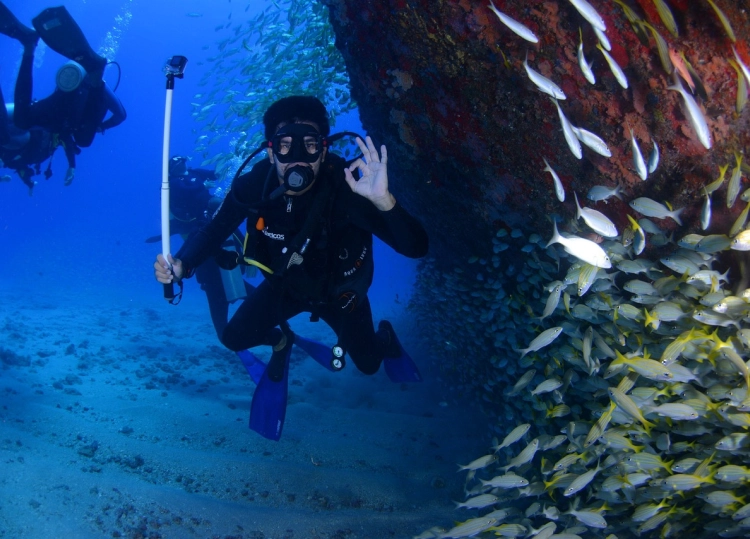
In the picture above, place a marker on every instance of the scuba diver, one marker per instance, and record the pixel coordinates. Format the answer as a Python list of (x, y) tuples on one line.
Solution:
[(76, 110), (309, 230), (192, 206)]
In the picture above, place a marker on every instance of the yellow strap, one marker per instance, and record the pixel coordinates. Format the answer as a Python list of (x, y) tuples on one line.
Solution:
[(251, 262)]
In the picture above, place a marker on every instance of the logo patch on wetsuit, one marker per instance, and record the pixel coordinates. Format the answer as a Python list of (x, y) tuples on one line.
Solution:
[(271, 235)]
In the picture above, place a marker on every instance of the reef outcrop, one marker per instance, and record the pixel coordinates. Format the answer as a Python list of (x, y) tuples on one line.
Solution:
[(443, 85)]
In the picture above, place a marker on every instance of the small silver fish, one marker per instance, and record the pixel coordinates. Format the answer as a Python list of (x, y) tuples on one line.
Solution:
[(651, 208), (640, 165), (559, 190), (547, 386), (570, 136), (614, 67), (515, 26), (542, 340), (694, 114), (542, 82), (477, 464), (583, 64), (602, 192), (588, 12), (581, 248), (592, 141), (598, 222), (514, 435), (478, 502), (653, 158), (706, 211)]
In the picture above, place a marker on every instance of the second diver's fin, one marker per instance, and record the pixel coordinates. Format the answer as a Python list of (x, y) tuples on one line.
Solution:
[(12, 27), (318, 351), (268, 409), (399, 368), (63, 35), (254, 366)]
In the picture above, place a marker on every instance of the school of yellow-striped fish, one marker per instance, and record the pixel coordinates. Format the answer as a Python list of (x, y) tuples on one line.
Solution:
[(287, 49), (619, 378), (620, 383)]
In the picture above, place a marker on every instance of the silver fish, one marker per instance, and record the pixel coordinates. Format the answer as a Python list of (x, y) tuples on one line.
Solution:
[(514, 435), (602, 192), (477, 464), (614, 67), (733, 189), (478, 502), (515, 26), (581, 481), (640, 165), (542, 82), (524, 456), (653, 158), (598, 222), (547, 386), (570, 136), (559, 190), (542, 340), (592, 141), (588, 12), (651, 208), (552, 301), (581, 248), (470, 528), (706, 211), (694, 114), (583, 64), (506, 481)]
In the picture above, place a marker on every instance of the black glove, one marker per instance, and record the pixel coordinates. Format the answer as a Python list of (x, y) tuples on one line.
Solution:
[(227, 260)]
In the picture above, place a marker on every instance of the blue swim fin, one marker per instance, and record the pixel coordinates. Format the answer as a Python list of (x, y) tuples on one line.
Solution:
[(318, 351), (254, 366), (268, 409), (401, 368)]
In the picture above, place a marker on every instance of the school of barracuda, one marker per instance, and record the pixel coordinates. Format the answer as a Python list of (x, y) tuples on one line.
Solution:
[(626, 411)]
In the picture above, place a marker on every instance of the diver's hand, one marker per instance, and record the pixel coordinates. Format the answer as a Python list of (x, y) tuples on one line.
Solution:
[(69, 175), (162, 272), (373, 181)]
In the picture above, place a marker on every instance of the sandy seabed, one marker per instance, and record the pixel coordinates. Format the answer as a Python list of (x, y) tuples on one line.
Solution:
[(129, 419)]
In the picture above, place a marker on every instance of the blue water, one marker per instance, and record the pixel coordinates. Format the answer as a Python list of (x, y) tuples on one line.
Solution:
[(88, 237), (80, 307)]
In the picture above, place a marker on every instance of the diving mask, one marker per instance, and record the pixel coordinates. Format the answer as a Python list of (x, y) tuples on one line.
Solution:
[(297, 143)]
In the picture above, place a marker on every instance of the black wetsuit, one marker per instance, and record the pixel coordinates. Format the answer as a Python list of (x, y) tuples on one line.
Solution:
[(75, 117), (337, 267)]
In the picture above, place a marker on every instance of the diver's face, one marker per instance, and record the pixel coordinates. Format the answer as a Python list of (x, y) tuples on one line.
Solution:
[(300, 146)]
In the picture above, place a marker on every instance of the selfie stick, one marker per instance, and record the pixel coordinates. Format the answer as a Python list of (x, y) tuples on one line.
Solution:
[(174, 68)]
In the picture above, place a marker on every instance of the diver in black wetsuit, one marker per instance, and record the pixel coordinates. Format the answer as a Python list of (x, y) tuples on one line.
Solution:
[(75, 111), (192, 205), (310, 227)]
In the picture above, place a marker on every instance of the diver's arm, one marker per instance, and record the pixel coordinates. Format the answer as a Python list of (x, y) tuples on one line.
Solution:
[(395, 227), (202, 245), (114, 105)]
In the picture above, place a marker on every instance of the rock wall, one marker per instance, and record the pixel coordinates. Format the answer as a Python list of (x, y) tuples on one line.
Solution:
[(442, 84)]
